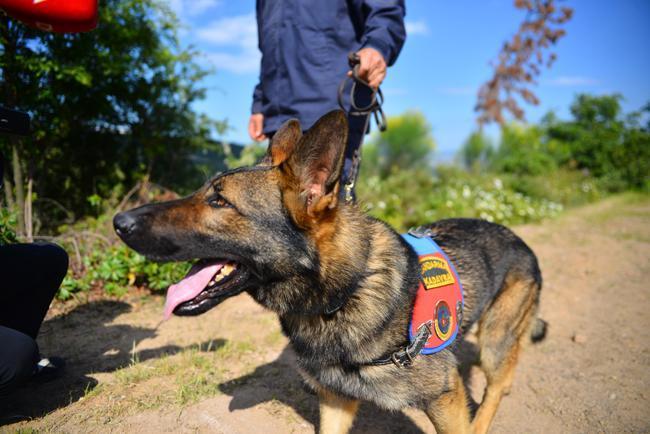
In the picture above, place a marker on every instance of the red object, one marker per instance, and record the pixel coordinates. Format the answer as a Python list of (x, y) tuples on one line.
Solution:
[(440, 302), (60, 16), (439, 299)]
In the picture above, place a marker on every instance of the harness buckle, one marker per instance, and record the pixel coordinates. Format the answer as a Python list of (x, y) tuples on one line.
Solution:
[(348, 192), (421, 232), (459, 313), (421, 337), (402, 363)]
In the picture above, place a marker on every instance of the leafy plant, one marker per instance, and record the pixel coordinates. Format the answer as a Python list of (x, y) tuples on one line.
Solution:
[(599, 140), (108, 108), (116, 268), (477, 151), (522, 152), (7, 225), (98, 260), (412, 198), (407, 144), (250, 155)]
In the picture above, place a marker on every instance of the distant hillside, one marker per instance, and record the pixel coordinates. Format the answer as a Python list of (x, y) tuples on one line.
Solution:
[(213, 160)]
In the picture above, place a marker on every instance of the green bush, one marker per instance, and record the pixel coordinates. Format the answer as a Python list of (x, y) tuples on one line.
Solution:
[(250, 155), (407, 144), (567, 187), (477, 151), (116, 268), (412, 198), (522, 152), (598, 139), (599, 142), (98, 260), (7, 226), (633, 159)]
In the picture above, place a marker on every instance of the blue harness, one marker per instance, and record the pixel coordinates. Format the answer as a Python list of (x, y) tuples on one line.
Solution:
[(439, 300)]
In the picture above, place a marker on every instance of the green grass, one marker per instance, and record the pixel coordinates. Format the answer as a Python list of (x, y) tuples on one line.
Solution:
[(622, 208), (179, 379), (90, 392), (634, 198)]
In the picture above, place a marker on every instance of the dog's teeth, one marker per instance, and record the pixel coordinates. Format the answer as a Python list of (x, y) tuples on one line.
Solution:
[(222, 274)]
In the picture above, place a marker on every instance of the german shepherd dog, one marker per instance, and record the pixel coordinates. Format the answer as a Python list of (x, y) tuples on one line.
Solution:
[(343, 283)]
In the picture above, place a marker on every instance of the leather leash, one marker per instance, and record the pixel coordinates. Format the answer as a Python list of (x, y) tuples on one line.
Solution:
[(372, 109)]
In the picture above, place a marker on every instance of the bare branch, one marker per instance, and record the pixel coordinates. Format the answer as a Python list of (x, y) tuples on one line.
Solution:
[(518, 63)]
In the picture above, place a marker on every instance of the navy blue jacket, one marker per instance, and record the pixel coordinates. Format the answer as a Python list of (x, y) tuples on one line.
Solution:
[(305, 45)]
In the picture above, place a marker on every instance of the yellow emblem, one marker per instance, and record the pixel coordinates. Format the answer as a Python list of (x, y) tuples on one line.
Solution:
[(435, 272), (443, 321)]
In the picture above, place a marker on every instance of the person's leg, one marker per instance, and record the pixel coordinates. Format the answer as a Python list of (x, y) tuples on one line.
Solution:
[(31, 275), (18, 359)]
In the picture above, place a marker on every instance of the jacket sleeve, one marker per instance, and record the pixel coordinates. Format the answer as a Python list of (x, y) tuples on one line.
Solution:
[(257, 93), (384, 28), (257, 99)]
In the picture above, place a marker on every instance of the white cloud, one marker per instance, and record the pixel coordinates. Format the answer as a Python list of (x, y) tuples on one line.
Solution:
[(416, 28), (240, 30), (239, 63), (237, 38), (192, 8), (568, 81), (458, 90)]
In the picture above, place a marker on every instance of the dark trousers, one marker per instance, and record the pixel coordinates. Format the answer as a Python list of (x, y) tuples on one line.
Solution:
[(30, 275), (357, 130)]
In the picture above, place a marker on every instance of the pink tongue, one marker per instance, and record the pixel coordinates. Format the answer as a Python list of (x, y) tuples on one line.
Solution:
[(196, 280)]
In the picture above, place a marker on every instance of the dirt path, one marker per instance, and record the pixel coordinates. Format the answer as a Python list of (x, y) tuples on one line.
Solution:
[(229, 371)]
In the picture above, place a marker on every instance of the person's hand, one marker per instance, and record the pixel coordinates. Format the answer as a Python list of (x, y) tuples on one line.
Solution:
[(372, 67), (255, 127)]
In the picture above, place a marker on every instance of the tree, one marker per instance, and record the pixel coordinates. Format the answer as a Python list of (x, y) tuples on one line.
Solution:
[(406, 144), (108, 107), (599, 140), (522, 151), (477, 150), (520, 61)]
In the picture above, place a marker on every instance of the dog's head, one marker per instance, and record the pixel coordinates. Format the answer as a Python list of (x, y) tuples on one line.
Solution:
[(249, 228)]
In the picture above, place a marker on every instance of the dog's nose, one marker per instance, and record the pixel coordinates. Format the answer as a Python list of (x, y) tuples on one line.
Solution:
[(124, 223)]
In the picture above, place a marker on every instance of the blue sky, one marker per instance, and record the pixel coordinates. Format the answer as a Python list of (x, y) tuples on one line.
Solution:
[(444, 61)]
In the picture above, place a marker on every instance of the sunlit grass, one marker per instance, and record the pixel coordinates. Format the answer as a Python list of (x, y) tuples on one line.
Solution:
[(177, 379)]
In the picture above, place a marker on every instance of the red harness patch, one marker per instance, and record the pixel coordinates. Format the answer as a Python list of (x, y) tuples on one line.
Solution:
[(439, 300)]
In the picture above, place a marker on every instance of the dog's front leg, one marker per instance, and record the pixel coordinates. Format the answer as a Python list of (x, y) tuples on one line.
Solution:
[(450, 413), (336, 413)]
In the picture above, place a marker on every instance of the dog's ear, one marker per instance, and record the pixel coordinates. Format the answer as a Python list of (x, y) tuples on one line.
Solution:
[(317, 162), (283, 142)]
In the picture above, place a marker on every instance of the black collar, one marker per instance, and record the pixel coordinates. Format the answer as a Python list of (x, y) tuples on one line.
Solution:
[(403, 358)]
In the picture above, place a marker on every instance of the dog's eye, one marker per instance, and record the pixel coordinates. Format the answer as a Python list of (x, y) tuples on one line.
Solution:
[(218, 202)]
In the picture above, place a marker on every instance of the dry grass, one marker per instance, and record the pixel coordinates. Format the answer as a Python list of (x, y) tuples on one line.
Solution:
[(183, 378)]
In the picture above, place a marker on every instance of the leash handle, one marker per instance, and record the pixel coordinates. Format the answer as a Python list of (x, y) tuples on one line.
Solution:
[(376, 96), (372, 109), (355, 62)]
